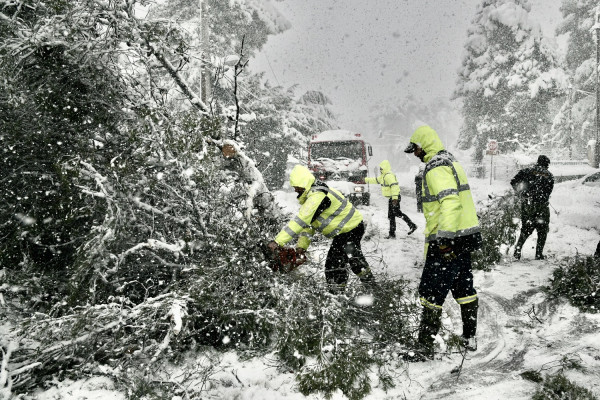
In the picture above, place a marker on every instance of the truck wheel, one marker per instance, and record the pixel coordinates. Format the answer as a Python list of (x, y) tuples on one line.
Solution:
[(366, 199)]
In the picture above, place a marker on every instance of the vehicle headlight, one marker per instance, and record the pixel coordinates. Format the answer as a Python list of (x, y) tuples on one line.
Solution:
[(359, 189)]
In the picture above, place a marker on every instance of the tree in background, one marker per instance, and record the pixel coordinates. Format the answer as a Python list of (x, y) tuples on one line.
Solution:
[(311, 114), (508, 77), (574, 124), (263, 118)]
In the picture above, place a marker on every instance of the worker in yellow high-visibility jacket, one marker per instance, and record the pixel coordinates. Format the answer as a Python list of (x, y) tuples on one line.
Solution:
[(451, 233), (391, 190), (326, 210)]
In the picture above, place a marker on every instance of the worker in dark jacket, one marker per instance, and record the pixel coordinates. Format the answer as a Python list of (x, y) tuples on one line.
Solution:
[(534, 186), (326, 210), (451, 233), (391, 190)]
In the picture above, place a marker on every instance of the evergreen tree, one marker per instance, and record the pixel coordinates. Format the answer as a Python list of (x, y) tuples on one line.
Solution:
[(508, 77), (311, 114), (573, 125)]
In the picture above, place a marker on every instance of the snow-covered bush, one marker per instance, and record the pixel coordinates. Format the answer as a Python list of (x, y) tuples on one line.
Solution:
[(578, 280), (499, 228), (356, 335), (557, 387)]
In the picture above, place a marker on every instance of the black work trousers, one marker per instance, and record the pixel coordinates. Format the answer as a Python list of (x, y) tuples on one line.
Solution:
[(441, 276), (534, 217), (393, 212), (345, 249)]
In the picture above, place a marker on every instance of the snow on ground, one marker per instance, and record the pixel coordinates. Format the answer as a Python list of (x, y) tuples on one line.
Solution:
[(519, 329)]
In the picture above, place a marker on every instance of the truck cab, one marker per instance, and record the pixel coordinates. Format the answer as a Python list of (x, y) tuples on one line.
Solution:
[(340, 158)]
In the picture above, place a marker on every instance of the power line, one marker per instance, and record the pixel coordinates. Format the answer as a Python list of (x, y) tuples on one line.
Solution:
[(271, 68)]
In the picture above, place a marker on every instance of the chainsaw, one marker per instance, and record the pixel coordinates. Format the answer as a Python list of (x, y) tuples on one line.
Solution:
[(282, 259)]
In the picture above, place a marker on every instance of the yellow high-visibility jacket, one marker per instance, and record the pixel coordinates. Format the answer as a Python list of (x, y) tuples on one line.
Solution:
[(387, 180), (448, 205), (340, 217)]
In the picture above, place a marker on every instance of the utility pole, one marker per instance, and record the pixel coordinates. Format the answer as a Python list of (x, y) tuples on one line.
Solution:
[(570, 127), (205, 76), (596, 162)]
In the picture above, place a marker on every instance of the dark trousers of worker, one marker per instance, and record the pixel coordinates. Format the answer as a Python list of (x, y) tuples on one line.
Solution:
[(345, 249), (534, 217), (439, 277), (393, 212)]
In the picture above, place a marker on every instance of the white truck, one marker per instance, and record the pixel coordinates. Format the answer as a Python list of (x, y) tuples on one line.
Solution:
[(340, 158)]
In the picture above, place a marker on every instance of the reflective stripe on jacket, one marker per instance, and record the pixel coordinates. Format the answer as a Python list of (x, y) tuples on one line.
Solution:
[(387, 180), (448, 205), (340, 217)]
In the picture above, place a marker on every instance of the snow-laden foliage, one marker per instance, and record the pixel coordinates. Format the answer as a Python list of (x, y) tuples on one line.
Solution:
[(224, 22), (578, 280), (268, 120), (508, 76), (134, 223), (498, 220), (558, 387), (312, 114), (573, 126)]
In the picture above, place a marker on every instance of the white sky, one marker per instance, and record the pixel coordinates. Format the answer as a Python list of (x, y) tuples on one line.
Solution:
[(363, 53)]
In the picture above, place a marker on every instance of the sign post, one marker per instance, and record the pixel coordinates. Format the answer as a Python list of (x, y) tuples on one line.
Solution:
[(492, 149)]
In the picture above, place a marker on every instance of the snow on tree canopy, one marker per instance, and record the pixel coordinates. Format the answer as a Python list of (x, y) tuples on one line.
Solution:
[(275, 21), (510, 72)]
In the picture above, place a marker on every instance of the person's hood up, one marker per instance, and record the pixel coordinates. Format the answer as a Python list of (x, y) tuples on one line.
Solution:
[(427, 139), (302, 177), (385, 167)]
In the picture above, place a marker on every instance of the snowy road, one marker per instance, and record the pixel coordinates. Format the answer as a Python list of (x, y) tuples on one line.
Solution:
[(519, 329)]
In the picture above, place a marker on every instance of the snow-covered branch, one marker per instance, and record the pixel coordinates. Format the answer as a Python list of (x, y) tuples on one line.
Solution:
[(258, 193)]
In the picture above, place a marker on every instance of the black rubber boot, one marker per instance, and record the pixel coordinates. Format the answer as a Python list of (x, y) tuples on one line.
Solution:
[(468, 312), (518, 247), (411, 225), (412, 228), (539, 248)]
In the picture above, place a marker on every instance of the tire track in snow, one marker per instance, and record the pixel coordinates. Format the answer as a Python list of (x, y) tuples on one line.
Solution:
[(501, 353)]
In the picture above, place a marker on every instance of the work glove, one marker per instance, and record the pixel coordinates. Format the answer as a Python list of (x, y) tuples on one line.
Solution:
[(272, 245), (446, 252), (395, 202), (300, 256)]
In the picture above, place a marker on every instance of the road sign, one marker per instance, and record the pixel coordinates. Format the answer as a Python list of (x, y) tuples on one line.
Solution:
[(492, 150)]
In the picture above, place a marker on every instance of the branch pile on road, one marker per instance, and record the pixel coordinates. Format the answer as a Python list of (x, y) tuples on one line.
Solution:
[(498, 218), (578, 280)]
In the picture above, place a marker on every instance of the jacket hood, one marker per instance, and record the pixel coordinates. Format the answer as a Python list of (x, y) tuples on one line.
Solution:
[(385, 167), (427, 139), (302, 177)]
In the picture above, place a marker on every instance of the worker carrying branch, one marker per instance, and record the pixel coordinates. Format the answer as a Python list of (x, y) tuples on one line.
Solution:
[(534, 186), (326, 210)]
